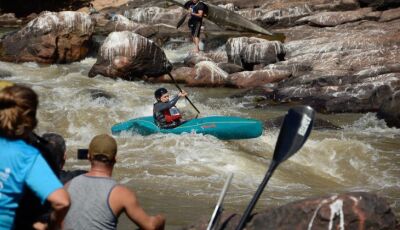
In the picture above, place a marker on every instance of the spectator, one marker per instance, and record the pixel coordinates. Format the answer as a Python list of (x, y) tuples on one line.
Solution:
[(31, 214), (22, 164), (97, 200)]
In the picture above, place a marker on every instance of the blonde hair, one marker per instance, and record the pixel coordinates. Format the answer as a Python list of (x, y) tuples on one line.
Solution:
[(18, 106)]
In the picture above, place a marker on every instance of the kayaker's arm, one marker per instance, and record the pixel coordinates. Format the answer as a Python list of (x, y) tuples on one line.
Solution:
[(167, 105)]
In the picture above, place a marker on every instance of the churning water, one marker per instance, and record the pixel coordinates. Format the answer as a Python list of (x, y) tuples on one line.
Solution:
[(182, 175)]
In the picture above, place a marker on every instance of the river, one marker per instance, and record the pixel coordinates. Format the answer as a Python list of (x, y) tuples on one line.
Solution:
[(182, 175)]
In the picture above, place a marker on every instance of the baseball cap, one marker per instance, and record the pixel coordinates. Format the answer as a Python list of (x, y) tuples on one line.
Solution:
[(103, 144)]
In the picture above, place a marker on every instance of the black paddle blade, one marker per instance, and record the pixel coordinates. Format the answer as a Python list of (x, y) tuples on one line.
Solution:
[(296, 128), (181, 21)]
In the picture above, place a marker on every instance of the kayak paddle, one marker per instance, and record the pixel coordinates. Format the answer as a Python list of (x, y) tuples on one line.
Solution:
[(179, 88), (181, 21), (295, 129), (213, 224)]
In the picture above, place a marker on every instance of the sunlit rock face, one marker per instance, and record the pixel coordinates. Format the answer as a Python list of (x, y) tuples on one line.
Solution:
[(234, 47), (154, 15), (335, 18), (208, 74), (345, 211), (128, 56), (262, 53), (247, 79), (50, 38)]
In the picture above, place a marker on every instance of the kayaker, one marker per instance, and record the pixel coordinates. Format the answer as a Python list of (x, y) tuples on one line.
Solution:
[(166, 114)]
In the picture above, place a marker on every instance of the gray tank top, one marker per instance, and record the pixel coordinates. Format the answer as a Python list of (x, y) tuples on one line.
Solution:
[(89, 204)]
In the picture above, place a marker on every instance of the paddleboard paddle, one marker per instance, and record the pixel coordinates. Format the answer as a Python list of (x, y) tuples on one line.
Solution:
[(295, 129)]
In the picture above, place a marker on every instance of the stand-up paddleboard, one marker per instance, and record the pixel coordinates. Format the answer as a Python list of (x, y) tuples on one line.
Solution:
[(224, 17), (222, 127)]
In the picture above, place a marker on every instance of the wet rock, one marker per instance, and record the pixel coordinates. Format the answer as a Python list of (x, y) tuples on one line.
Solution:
[(9, 20), (193, 58), (50, 38), (262, 53), (181, 75), (352, 210), (234, 47), (389, 15), (217, 56), (208, 74), (230, 68), (248, 79), (355, 210), (128, 56), (155, 15), (390, 110), (335, 18)]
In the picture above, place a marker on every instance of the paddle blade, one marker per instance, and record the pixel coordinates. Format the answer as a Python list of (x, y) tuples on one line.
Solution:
[(296, 128), (181, 21)]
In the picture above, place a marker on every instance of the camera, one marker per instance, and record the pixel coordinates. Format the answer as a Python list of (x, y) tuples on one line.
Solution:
[(82, 154)]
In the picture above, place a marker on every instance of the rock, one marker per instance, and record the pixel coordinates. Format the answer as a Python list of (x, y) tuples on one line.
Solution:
[(62, 37), (234, 47), (351, 211), (354, 210), (128, 56), (208, 74), (335, 18), (389, 15), (9, 20), (193, 58), (181, 75), (155, 15), (262, 53), (230, 68), (390, 110), (249, 79)]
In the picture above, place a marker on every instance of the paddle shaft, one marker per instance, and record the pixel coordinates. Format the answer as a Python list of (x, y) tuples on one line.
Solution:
[(257, 195), (179, 88), (218, 208)]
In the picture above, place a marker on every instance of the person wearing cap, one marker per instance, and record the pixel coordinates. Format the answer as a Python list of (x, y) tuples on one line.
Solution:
[(97, 200), (166, 114)]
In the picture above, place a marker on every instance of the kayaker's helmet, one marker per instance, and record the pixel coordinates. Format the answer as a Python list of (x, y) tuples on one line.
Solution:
[(159, 92)]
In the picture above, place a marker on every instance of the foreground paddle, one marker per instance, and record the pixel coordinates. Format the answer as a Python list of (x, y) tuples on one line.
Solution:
[(187, 98), (295, 129), (213, 224)]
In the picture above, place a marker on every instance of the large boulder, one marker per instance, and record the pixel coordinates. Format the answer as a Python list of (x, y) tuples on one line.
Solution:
[(390, 110), (247, 79), (208, 74), (355, 210), (265, 53), (50, 38), (234, 47), (130, 56)]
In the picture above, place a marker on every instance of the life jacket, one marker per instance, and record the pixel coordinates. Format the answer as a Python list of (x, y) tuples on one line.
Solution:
[(172, 114)]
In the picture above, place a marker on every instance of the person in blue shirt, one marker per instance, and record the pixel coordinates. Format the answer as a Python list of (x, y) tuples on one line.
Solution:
[(20, 163)]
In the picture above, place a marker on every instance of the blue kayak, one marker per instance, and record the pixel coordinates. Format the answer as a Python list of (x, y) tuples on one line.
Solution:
[(222, 127)]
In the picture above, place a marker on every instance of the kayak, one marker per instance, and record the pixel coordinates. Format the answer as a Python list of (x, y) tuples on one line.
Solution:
[(222, 127)]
